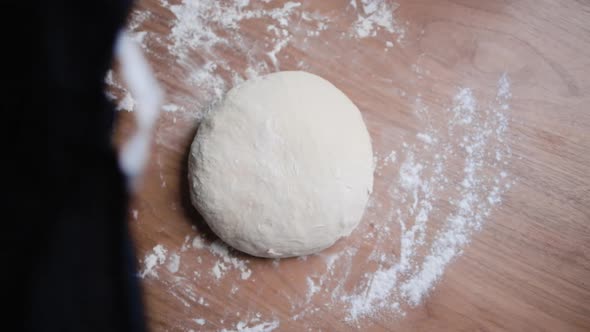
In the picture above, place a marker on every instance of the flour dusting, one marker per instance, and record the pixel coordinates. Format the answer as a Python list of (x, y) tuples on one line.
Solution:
[(152, 261), (474, 136), (227, 262), (204, 32), (199, 321), (173, 263), (437, 186), (376, 15), (260, 327)]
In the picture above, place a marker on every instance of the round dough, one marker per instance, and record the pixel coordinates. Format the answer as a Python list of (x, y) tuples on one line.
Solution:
[(283, 166)]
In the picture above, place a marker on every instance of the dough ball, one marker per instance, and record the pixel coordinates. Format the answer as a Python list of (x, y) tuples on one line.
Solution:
[(283, 166)]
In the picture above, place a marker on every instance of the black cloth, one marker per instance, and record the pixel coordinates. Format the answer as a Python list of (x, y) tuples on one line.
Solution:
[(69, 253)]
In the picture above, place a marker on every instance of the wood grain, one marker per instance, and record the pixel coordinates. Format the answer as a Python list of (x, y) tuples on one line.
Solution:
[(528, 269)]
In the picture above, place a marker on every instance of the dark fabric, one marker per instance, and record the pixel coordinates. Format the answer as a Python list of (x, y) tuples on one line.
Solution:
[(70, 250)]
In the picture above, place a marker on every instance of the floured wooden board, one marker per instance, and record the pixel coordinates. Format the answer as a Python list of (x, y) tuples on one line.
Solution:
[(480, 215)]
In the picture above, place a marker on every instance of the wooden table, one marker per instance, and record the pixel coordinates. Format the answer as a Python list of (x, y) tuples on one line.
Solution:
[(528, 268)]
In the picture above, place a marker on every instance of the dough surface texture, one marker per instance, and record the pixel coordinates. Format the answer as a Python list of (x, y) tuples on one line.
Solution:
[(282, 166)]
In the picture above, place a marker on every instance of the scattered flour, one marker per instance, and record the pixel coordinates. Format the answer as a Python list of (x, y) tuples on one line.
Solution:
[(474, 135), (425, 138), (170, 108), (391, 158), (211, 27), (173, 263), (204, 32), (200, 321), (198, 242), (203, 302), (375, 15), (312, 288), (152, 261), (227, 261), (127, 103), (261, 327), (419, 176)]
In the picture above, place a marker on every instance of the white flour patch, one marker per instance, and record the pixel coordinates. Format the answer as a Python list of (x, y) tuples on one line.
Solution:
[(391, 158), (312, 288), (425, 138), (200, 321), (138, 17), (375, 15), (127, 103), (152, 261), (170, 108), (227, 262), (223, 264), (173, 263), (203, 302), (186, 245), (259, 327), (198, 242)]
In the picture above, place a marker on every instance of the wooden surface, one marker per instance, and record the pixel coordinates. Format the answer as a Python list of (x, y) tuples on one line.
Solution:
[(527, 269)]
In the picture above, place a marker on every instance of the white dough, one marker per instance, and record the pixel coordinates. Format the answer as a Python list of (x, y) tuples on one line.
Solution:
[(283, 166)]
